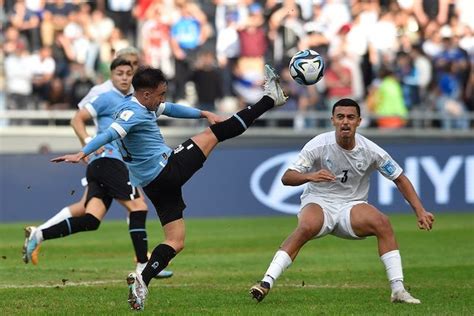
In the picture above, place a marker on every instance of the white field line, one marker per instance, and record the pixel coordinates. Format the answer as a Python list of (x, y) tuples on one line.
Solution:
[(190, 285)]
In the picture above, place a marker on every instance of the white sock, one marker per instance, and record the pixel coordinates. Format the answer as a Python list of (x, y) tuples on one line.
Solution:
[(58, 218), (393, 265), (281, 261)]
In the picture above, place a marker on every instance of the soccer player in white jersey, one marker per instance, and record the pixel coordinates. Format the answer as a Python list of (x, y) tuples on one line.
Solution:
[(335, 167), (78, 209), (162, 171)]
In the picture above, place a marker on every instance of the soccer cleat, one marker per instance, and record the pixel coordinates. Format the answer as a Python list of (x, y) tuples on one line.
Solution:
[(260, 290), (272, 87), (31, 246), (137, 291), (404, 297)]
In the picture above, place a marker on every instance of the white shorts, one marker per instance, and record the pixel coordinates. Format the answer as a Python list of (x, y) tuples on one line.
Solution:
[(337, 217)]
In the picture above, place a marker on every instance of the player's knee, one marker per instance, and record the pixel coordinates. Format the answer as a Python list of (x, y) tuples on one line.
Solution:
[(307, 231), (382, 225), (90, 222), (177, 245)]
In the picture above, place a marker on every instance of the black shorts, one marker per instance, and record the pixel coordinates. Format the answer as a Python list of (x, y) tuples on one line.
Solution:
[(108, 179), (165, 190)]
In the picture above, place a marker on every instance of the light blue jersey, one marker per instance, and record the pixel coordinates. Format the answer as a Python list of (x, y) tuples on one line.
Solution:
[(142, 145), (102, 108)]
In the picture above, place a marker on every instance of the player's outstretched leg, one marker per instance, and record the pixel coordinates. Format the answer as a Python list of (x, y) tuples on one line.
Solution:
[(137, 291), (260, 290), (403, 297), (240, 121)]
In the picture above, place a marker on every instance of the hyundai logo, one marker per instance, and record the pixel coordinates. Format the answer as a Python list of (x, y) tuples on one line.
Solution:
[(277, 194)]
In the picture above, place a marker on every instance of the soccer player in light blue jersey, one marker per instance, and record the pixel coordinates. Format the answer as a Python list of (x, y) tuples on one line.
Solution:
[(162, 171), (107, 175)]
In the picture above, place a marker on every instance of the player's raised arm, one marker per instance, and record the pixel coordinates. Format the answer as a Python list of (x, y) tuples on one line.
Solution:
[(100, 140), (425, 219)]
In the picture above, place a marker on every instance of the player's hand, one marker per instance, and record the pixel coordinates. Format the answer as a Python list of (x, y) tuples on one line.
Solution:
[(425, 220), (322, 175), (72, 158), (212, 118), (100, 150)]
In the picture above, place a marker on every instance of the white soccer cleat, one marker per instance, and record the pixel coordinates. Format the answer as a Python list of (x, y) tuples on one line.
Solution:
[(404, 297), (31, 246), (137, 291), (272, 87)]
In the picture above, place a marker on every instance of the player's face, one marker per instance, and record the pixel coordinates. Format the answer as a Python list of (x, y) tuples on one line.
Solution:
[(122, 78), (156, 96), (345, 120)]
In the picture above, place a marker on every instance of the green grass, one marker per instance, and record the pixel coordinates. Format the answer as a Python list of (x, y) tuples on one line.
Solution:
[(224, 257)]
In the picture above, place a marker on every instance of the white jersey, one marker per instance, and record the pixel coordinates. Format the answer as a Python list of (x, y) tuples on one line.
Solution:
[(352, 168)]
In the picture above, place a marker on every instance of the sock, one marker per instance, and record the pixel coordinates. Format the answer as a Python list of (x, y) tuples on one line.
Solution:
[(71, 225), (393, 265), (242, 120), (160, 257), (59, 217), (281, 261), (137, 232)]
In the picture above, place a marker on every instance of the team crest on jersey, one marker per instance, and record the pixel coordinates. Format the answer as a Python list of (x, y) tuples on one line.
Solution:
[(388, 168), (359, 165), (126, 115)]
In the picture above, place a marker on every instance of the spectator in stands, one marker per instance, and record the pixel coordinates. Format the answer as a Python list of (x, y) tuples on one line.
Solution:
[(81, 84), (338, 79), (427, 11), (450, 103), (60, 10), (13, 38), (42, 67), (408, 76), (188, 34), (121, 13), (424, 70), (63, 54), (286, 30), (207, 81), (155, 39), (18, 76), (227, 48), (27, 22), (316, 30), (253, 47), (383, 43), (388, 102)]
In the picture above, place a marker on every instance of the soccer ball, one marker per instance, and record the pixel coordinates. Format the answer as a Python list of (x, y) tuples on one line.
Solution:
[(307, 67)]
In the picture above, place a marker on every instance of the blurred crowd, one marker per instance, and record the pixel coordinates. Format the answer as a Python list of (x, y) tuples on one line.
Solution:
[(399, 59)]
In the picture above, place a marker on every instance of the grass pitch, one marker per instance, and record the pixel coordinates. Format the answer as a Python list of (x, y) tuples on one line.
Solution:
[(85, 273)]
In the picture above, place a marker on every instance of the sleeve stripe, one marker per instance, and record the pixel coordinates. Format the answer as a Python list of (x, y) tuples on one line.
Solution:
[(88, 106), (119, 129), (161, 109)]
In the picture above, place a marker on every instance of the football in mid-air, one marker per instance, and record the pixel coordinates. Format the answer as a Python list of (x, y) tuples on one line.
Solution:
[(307, 67)]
